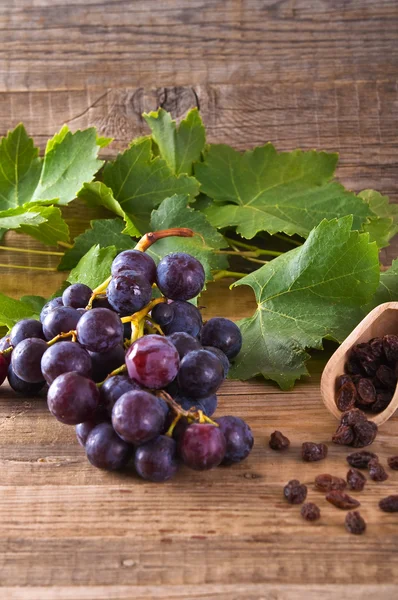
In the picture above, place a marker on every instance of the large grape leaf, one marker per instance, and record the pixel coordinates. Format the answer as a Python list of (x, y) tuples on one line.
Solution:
[(179, 146), (266, 190), (311, 292), (12, 311), (94, 267), (387, 290), (175, 212), (45, 223), (382, 225), (104, 232)]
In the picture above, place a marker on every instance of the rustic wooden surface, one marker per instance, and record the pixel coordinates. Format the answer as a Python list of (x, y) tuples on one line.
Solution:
[(302, 73)]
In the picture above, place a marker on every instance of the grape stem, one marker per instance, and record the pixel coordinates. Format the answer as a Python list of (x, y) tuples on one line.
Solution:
[(153, 236), (7, 350), (97, 291), (137, 320), (121, 369), (62, 336), (154, 327), (250, 253), (222, 273), (192, 414)]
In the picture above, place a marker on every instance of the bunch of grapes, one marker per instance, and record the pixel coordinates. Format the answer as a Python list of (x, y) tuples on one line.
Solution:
[(137, 376)]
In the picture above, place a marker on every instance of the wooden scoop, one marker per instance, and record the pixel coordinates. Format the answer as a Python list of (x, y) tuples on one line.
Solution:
[(382, 320)]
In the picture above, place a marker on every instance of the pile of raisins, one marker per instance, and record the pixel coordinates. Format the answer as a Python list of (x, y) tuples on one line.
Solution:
[(355, 430), (370, 375)]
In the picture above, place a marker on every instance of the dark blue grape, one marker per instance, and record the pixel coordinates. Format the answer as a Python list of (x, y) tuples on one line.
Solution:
[(163, 314), (239, 438), (105, 449), (27, 328), (49, 306), (72, 398), (207, 405), (23, 387), (77, 295), (180, 276), (26, 359), (184, 342), (139, 416), (113, 388), (60, 320), (104, 363), (129, 292), (157, 459), (99, 330), (224, 334), (65, 357), (102, 302), (83, 429), (200, 375), (152, 361), (186, 318), (202, 446), (135, 260), (220, 354)]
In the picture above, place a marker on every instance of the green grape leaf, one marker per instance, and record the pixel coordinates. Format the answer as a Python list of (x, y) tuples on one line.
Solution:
[(383, 224), (104, 232), (94, 267), (45, 223), (179, 146), (387, 290), (35, 302), (175, 212), (266, 190), (12, 311), (309, 293), (70, 160)]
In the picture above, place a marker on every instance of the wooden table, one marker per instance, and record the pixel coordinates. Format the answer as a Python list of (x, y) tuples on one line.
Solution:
[(302, 73)]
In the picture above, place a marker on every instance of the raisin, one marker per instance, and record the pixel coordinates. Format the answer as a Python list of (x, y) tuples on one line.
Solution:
[(346, 396), (360, 460), (356, 379), (370, 366), (364, 434), (389, 504), (376, 471), (353, 367), (366, 391), (312, 452), (387, 377), (356, 480), (353, 416), (310, 511), (278, 441), (344, 436), (362, 351), (393, 462), (295, 492), (376, 346), (326, 482), (390, 346), (341, 380), (383, 399), (354, 523), (342, 500)]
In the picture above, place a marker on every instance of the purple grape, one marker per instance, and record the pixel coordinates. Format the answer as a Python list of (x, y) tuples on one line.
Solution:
[(163, 314), (239, 438), (26, 359), (202, 446), (220, 354), (113, 388), (102, 302), (152, 361), (60, 320), (4, 345), (207, 405), (135, 260), (49, 306), (27, 328), (184, 342), (180, 276), (157, 459), (186, 318), (129, 292), (23, 387), (83, 429), (3, 368), (100, 330), (104, 363), (77, 295), (65, 357), (139, 416), (223, 334), (200, 375), (105, 449), (72, 398)]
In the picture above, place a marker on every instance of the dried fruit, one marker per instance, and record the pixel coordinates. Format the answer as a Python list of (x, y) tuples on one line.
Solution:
[(366, 391), (390, 346), (393, 462), (356, 480), (353, 367), (295, 492), (342, 500), (389, 504), (383, 399), (360, 460), (312, 452), (326, 482), (355, 430), (353, 416), (342, 379), (364, 434), (346, 396), (354, 523), (278, 441), (376, 346), (310, 511), (344, 436), (387, 377), (376, 471)]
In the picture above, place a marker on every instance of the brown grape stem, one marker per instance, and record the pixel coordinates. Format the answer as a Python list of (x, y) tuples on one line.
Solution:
[(195, 415), (153, 236)]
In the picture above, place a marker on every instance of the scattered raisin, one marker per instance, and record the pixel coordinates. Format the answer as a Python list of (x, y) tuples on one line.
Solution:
[(360, 460), (390, 346), (356, 480), (278, 441), (387, 377), (343, 436), (295, 492), (342, 379), (326, 482), (376, 471), (389, 504), (310, 511), (376, 346), (346, 396), (354, 523), (342, 500), (312, 452), (393, 462), (364, 434), (383, 399), (366, 391)]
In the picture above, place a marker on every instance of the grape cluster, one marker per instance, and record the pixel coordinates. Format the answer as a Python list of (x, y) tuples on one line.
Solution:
[(137, 377)]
